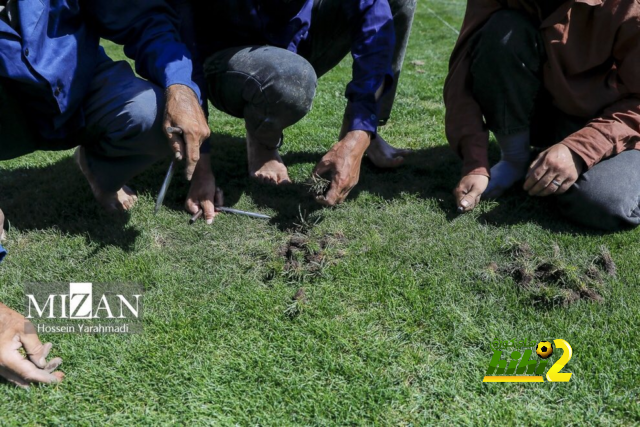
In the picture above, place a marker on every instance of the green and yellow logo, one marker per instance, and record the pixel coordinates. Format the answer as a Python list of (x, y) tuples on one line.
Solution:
[(521, 368)]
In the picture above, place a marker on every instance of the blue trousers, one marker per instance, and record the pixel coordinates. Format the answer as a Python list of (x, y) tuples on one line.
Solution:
[(123, 126)]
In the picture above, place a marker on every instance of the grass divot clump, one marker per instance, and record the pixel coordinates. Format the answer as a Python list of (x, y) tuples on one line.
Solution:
[(553, 280), (318, 185), (605, 261), (306, 257)]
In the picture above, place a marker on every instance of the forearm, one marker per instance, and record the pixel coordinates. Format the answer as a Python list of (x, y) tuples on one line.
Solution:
[(203, 168), (373, 46), (464, 124), (148, 32), (606, 136)]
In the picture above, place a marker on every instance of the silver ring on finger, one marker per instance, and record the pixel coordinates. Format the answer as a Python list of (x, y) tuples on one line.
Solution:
[(556, 183)]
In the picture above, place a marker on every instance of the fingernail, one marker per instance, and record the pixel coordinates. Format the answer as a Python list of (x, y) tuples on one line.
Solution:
[(210, 221), (464, 203), (178, 156)]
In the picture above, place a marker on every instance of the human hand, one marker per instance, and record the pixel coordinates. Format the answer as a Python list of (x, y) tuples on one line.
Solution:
[(15, 333), (203, 193), (554, 171), (469, 191), (183, 111), (343, 163)]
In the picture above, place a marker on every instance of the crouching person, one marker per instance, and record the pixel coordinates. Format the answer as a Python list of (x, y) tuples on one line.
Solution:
[(263, 60), (560, 75), (59, 90)]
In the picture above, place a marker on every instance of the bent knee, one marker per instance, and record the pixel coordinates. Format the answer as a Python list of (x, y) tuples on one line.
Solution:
[(139, 115), (145, 109), (505, 35), (600, 207), (403, 8), (291, 85)]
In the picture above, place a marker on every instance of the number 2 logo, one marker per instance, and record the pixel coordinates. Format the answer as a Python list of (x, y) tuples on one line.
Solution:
[(554, 374)]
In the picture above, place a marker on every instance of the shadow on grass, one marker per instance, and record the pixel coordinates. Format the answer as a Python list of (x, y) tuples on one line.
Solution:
[(58, 197), (429, 173)]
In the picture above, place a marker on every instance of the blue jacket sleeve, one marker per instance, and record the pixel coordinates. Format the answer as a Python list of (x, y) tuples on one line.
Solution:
[(3, 253), (372, 50), (148, 31)]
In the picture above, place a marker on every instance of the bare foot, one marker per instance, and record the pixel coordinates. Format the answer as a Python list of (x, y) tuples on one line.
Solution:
[(266, 164), (384, 155), (122, 200)]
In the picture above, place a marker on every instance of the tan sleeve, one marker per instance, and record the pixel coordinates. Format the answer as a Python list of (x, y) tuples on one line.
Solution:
[(618, 128), (464, 123)]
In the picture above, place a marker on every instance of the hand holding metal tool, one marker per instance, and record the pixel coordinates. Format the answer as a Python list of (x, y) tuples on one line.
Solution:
[(170, 172), (167, 181)]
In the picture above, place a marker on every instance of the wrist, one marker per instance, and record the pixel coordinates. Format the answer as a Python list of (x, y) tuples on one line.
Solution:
[(203, 167), (181, 90), (578, 161), (358, 139)]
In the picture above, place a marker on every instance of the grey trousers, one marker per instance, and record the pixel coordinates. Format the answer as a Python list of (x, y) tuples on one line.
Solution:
[(272, 88), (123, 133), (507, 57)]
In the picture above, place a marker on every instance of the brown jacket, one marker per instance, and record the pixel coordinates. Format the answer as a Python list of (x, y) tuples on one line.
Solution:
[(592, 71)]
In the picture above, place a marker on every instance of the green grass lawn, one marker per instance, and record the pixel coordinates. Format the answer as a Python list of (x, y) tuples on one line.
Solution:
[(401, 304)]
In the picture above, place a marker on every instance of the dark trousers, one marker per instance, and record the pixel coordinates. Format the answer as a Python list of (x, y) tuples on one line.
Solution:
[(272, 88), (507, 56)]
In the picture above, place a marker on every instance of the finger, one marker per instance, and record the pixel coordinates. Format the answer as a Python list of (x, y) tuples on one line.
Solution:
[(565, 187), (542, 183), (36, 351), (177, 144), (14, 379), (331, 198), (468, 202), (219, 197), (53, 365), (209, 210), (536, 171), (192, 206), (533, 177), (193, 154), (552, 188), (344, 193), (468, 198), (27, 371), (130, 192), (322, 168)]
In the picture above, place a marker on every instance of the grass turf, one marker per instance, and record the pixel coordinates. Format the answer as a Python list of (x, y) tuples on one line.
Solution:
[(399, 308)]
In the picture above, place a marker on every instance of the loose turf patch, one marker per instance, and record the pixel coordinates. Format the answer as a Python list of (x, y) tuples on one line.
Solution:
[(553, 280), (398, 311)]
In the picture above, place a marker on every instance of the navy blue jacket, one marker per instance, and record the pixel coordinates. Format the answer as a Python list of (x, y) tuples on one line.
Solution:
[(51, 59)]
